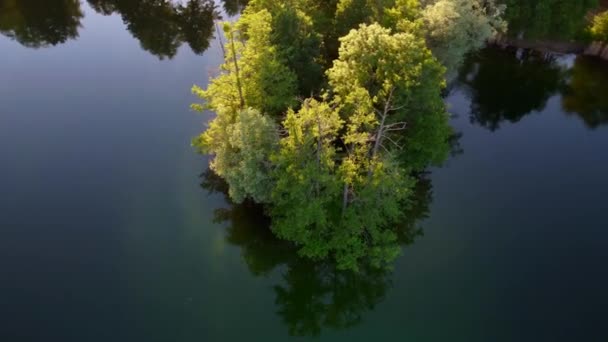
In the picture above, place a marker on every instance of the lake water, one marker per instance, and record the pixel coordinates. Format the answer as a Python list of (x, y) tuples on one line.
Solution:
[(112, 230)]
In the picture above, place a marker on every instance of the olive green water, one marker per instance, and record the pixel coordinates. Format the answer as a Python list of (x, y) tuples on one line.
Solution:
[(112, 230)]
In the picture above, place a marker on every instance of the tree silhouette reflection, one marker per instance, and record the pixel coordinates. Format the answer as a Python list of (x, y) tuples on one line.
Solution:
[(508, 84), (586, 94), (234, 7), (548, 19), (37, 24), (313, 295), (162, 26)]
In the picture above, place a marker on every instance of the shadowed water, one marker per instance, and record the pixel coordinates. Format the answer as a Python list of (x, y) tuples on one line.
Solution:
[(113, 229)]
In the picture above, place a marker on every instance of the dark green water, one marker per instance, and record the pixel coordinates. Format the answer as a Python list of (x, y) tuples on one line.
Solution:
[(106, 233)]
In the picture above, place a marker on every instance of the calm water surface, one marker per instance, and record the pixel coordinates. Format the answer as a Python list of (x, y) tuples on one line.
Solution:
[(112, 230)]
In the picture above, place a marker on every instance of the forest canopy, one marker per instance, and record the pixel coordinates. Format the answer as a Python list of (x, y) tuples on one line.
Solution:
[(326, 112)]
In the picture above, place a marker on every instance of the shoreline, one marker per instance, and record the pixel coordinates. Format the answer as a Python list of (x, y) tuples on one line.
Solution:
[(596, 49)]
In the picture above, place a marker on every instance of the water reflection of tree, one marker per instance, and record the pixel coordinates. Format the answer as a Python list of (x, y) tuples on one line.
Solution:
[(548, 19), (162, 26), (506, 85), (586, 93), (313, 295), (40, 23), (234, 7)]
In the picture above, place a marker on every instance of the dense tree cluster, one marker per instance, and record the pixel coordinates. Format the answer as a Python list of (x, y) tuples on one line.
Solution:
[(326, 110), (456, 27)]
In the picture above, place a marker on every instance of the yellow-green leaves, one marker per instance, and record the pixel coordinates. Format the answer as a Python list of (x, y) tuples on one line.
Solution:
[(335, 169), (242, 148), (599, 29), (457, 27)]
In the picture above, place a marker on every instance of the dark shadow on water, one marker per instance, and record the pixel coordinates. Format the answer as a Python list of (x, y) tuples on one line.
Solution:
[(548, 19), (234, 7), (312, 295), (161, 26), (586, 93), (506, 85), (36, 24)]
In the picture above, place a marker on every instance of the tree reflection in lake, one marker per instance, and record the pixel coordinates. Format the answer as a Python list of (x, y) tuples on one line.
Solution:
[(313, 295), (506, 85), (234, 7), (548, 19), (162, 26), (40, 23), (586, 94)]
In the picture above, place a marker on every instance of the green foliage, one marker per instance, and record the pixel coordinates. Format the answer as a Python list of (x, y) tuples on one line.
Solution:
[(396, 76), (404, 15), (457, 27), (312, 295), (599, 28), (252, 75), (307, 186), (242, 145), (333, 203), (267, 82), (375, 204), (338, 181), (242, 139), (352, 13), (296, 41), (344, 202)]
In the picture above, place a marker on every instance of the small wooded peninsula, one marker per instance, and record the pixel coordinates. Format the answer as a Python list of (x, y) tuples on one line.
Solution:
[(326, 115), (328, 111)]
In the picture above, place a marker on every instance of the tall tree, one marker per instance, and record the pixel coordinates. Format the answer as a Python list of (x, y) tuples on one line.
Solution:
[(295, 39), (241, 138), (268, 84), (242, 147), (401, 82), (307, 187)]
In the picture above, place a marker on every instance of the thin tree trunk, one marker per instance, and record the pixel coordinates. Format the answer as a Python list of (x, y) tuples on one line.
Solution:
[(219, 37), (345, 198), (377, 143), (319, 146), (236, 67)]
